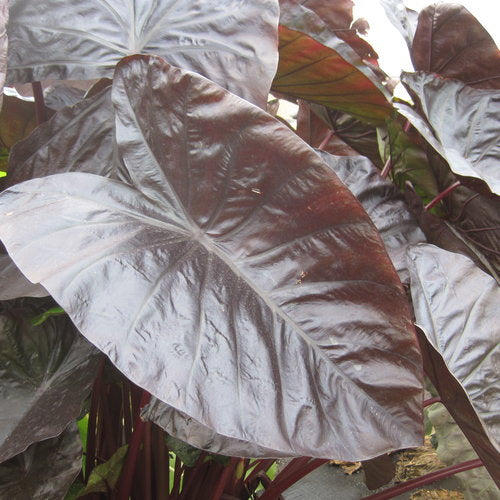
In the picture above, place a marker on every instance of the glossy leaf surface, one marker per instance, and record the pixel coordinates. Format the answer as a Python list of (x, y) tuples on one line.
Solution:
[(233, 268), (383, 203), (45, 372), (216, 39), (45, 470), (403, 18), (456, 306), (317, 66), (451, 42), (77, 138), (465, 122)]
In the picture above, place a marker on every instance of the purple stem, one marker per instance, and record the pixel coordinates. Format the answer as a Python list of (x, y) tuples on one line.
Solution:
[(441, 195), (127, 474), (399, 489), (326, 139), (431, 401)]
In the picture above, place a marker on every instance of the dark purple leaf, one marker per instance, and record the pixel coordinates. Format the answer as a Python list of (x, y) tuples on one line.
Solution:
[(448, 235), (77, 138), (45, 470), (383, 203), (451, 42), (229, 41), (235, 280), (14, 283), (57, 97), (456, 306), (46, 372), (378, 471), (317, 66), (465, 123), (403, 18)]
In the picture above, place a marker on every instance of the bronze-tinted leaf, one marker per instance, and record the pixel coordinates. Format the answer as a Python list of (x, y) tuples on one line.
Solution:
[(46, 371), (451, 42), (317, 66), (465, 123), (337, 16), (45, 470), (235, 278), (456, 306), (85, 40)]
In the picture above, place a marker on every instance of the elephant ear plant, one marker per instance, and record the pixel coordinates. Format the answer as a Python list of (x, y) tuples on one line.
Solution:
[(208, 270)]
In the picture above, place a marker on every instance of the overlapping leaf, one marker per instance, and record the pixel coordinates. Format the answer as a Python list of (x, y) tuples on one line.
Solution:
[(465, 122), (45, 470), (13, 282), (450, 236), (383, 203), (85, 40), (77, 138), (403, 18), (315, 65), (451, 42), (338, 17), (235, 281), (456, 306), (45, 373)]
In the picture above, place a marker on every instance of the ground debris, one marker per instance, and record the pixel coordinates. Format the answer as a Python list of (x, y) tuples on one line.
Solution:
[(437, 494), (417, 462), (348, 467)]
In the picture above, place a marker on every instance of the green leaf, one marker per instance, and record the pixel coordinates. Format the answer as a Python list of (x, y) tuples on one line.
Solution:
[(187, 453), (105, 476), (40, 318)]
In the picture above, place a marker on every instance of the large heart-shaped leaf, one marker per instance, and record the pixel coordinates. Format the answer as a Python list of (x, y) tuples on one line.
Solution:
[(317, 66), (451, 42), (465, 122), (403, 18), (384, 204), (46, 372), (77, 138), (237, 280), (456, 306), (85, 40), (45, 470)]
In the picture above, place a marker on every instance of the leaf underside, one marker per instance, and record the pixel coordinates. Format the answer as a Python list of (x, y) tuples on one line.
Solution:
[(215, 39), (225, 279)]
